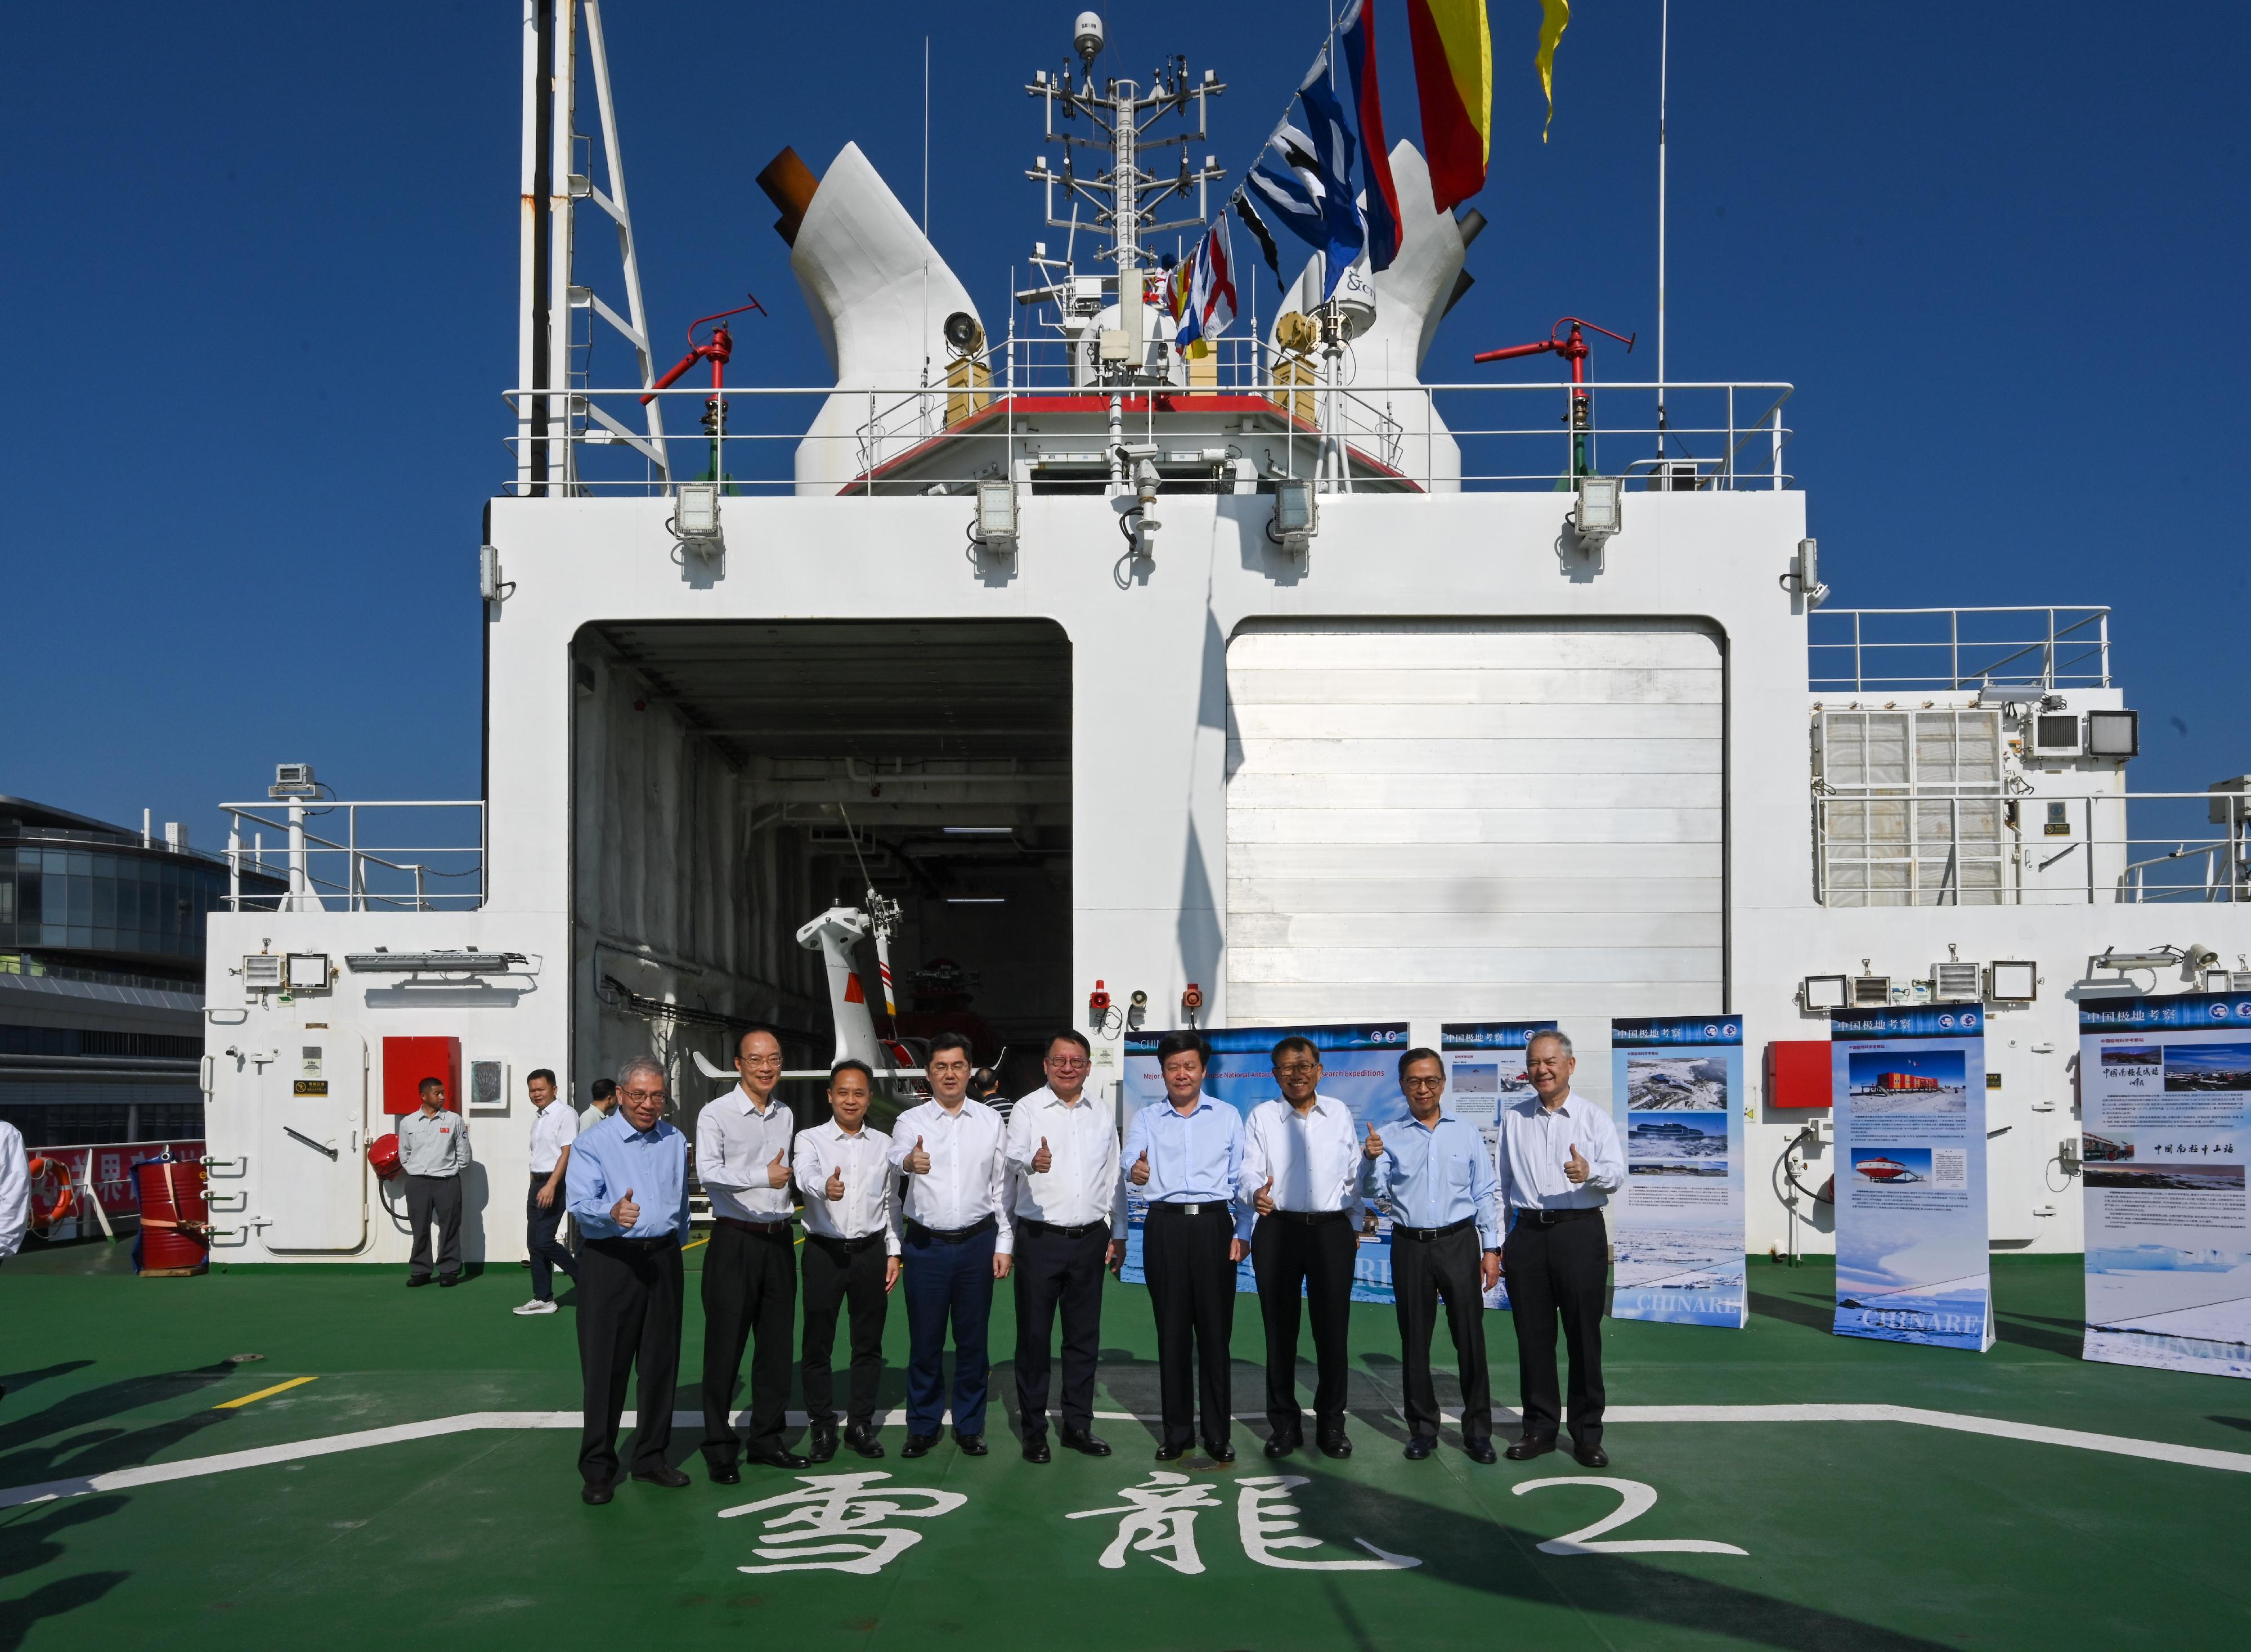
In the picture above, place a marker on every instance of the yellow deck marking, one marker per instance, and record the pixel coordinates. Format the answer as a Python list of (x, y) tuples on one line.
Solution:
[(263, 1393), (692, 1244)]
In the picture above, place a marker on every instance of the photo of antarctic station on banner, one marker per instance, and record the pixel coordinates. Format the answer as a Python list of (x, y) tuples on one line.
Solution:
[(1676, 1225), (1484, 1073), (2165, 1108)]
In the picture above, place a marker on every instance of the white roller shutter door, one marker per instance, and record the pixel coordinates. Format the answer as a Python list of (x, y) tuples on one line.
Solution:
[(1474, 820)]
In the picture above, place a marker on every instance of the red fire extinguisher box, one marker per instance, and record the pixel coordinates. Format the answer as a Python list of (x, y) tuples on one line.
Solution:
[(1798, 1073), (407, 1061)]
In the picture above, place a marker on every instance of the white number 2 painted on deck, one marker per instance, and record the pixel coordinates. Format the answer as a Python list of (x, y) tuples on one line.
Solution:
[(1635, 1500)]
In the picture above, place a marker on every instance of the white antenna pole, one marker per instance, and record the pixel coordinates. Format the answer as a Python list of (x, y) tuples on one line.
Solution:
[(925, 137), (1664, 53)]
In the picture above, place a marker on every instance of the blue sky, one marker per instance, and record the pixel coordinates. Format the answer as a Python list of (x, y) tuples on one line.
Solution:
[(261, 269)]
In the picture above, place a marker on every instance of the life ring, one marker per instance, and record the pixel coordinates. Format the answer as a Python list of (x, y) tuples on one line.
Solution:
[(54, 1193)]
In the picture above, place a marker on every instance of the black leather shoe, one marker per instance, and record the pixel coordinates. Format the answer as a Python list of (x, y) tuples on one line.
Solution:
[(1482, 1451), (448, 1281), (1171, 1453), (1080, 1441), (1591, 1456), (1219, 1450), (820, 1444), (918, 1445), (781, 1457), (1280, 1445), (668, 1477), (972, 1445), (1421, 1447), (1334, 1444), (590, 1492), (1530, 1446), (722, 1474), (414, 1282), (1035, 1448), (861, 1439)]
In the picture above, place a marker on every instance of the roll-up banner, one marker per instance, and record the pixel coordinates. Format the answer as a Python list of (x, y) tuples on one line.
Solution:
[(1360, 1067), (1677, 1226), (2164, 1088), (1912, 1263), (1484, 1073)]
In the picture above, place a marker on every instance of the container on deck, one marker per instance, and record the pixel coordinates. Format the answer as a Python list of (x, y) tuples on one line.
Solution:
[(175, 1218)]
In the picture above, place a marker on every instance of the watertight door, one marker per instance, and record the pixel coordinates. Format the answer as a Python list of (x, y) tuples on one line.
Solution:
[(312, 1129)]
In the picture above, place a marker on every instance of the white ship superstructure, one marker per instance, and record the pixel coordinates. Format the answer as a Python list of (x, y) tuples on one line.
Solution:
[(1299, 675)]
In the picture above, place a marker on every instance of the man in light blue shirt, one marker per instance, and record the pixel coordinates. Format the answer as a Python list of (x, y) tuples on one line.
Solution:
[(1185, 1156), (629, 1191), (1434, 1174)]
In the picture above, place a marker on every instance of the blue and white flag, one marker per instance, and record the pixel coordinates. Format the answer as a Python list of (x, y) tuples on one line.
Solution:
[(1304, 178)]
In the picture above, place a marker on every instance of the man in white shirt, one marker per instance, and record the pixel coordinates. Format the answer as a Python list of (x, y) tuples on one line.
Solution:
[(15, 1191), (959, 1241), (553, 1129), (1070, 1224), (1558, 1162), (851, 1256), (433, 1151), (1300, 1182), (749, 1271)]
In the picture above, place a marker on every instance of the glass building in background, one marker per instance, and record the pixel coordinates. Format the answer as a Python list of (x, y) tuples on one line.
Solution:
[(101, 972)]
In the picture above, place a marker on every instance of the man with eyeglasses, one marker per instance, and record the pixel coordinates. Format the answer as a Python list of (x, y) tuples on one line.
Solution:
[(1301, 1211), (750, 1273), (1434, 1173), (628, 1189), (1070, 1223), (959, 1241)]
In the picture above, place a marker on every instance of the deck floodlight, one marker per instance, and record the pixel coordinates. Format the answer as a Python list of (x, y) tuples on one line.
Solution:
[(1297, 514), (1824, 992), (996, 517), (1595, 519), (2114, 733), (293, 780), (2012, 981), (695, 515)]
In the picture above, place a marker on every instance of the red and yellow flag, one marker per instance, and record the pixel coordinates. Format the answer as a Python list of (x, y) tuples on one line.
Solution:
[(1453, 81), (1554, 18)]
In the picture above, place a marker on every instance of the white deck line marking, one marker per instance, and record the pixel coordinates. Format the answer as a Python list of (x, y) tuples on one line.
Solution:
[(472, 1421)]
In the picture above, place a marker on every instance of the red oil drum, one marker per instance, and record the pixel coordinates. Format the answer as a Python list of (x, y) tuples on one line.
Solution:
[(175, 1218)]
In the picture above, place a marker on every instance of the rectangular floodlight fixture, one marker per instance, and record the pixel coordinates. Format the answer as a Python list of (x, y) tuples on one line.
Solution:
[(696, 513), (1297, 514), (2056, 732), (996, 517), (1597, 515), (2012, 981), (2114, 733), (1824, 992)]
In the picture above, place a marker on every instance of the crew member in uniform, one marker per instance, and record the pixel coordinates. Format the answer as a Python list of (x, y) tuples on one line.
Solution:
[(1300, 1183), (628, 1182), (1185, 1156), (750, 1272), (553, 1129), (959, 1241), (1434, 1173), (851, 1256), (1070, 1224), (433, 1151), (1558, 1162)]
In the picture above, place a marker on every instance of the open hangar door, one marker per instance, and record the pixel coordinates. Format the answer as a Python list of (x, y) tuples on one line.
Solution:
[(733, 780)]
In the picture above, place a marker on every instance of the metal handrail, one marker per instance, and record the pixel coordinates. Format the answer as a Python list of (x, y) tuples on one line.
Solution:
[(2055, 669), (307, 890)]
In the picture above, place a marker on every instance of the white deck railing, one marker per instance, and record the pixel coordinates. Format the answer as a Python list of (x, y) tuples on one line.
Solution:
[(1902, 650), (366, 870)]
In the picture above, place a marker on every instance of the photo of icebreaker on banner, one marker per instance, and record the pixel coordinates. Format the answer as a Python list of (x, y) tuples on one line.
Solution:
[(1484, 1073), (1360, 1067), (2164, 1088), (1912, 1260), (1677, 1226)]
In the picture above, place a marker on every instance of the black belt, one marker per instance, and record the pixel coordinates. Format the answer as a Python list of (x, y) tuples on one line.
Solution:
[(1305, 1217), (632, 1243), (849, 1246), (923, 1235), (1426, 1234), (1053, 1230), (766, 1228), (1199, 1207), (1539, 1217)]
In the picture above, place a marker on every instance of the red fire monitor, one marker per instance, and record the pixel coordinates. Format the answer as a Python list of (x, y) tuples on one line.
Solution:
[(407, 1061), (1798, 1073)]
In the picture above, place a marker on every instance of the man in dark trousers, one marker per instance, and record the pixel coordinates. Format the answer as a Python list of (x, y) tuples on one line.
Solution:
[(1070, 1221), (1558, 1162), (628, 1182), (750, 1272), (851, 1257), (1435, 1174), (1185, 1156), (554, 1127), (433, 1151)]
